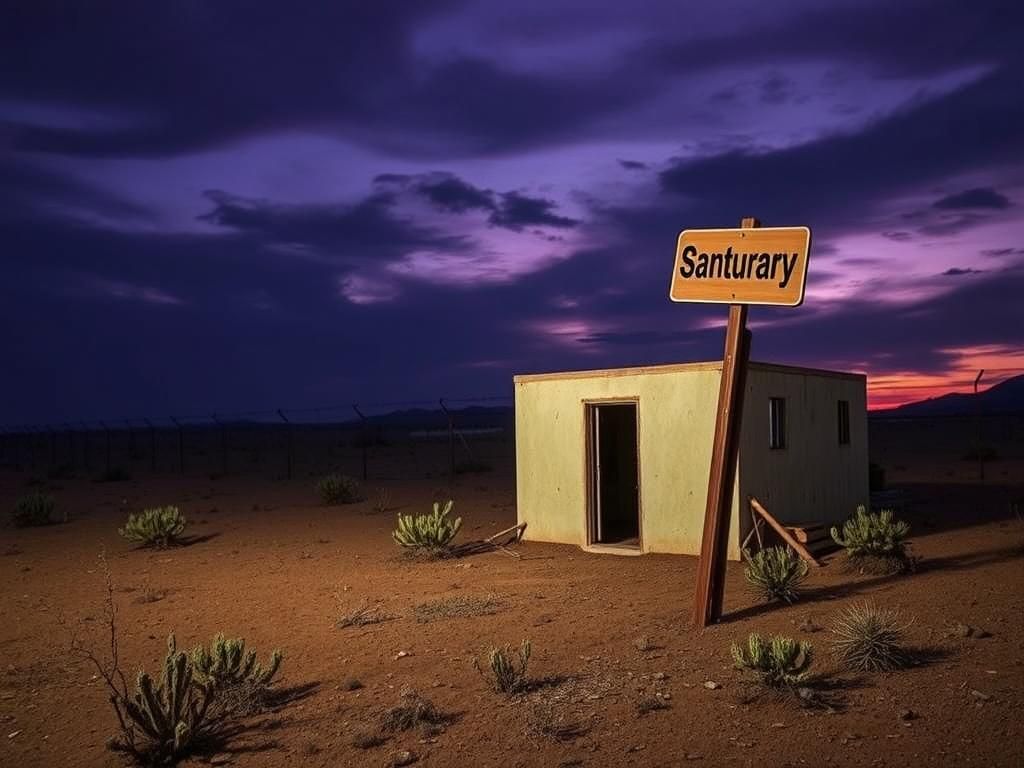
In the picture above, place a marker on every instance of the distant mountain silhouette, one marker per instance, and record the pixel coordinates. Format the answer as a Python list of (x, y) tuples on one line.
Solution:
[(1005, 397)]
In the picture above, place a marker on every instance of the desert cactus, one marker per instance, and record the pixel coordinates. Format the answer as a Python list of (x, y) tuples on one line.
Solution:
[(878, 537), (776, 573), (161, 722), (158, 527), (335, 488), (777, 660), (433, 532), (227, 663), (33, 509), (506, 675)]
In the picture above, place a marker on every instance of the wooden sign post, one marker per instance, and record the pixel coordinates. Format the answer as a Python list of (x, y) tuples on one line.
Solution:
[(742, 266)]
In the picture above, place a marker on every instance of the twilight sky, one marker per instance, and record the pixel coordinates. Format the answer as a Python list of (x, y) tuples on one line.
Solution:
[(225, 206)]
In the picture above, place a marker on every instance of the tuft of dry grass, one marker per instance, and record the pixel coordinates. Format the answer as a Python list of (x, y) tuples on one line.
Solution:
[(459, 606), (867, 638), (363, 616), (412, 710), (546, 721)]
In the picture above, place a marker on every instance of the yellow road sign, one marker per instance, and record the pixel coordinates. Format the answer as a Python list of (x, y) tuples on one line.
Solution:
[(763, 265)]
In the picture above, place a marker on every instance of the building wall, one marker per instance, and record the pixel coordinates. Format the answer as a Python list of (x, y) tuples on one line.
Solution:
[(813, 477), (676, 420)]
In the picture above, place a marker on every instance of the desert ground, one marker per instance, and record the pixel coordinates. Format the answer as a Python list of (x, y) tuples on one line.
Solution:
[(271, 563)]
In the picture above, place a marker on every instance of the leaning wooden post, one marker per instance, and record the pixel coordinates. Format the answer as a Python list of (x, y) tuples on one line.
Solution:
[(715, 540)]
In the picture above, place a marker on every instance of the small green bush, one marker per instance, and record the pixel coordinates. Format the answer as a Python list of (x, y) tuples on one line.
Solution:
[(336, 488), (241, 682), (159, 527), (776, 660), (431, 533), (776, 573), (162, 722), (869, 639), (875, 541), (33, 509), (507, 676)]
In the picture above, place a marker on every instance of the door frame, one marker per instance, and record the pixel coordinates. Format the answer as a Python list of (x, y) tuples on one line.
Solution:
[(590, 406)]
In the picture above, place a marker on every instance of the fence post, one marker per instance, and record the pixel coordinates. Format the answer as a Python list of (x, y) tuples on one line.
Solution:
[(223, 443), (288, 441), (106, 435), (152, 445), (451, 440), (181, 446), (363, 436)]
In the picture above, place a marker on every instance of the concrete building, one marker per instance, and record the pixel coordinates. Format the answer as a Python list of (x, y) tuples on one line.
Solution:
[(618, 460)]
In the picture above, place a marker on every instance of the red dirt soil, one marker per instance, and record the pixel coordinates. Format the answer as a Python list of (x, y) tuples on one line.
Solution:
[(276, 567)]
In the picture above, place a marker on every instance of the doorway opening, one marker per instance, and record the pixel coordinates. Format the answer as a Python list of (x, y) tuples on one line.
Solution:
[(613, 474)]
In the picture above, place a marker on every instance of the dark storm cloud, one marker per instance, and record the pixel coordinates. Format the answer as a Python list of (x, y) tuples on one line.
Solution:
[(453, 194), (979, 197), (28, 191), (633, 165), (959, 271), (516, 211), (836, 179), (894, 39), (368, 228), (510, 210)]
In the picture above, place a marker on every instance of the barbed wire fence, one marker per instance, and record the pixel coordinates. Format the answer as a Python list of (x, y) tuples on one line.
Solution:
[(448, 436)]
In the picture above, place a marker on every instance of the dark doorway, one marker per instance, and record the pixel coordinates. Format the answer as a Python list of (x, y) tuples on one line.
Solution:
[(613, 468)]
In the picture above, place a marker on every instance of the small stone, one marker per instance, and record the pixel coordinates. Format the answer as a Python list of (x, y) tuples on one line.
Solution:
[(694, 756), (809, 625), (402, 655), (12, 734), (711, 685), (220, 760), (658, 675), (962, 630), (666, 696), (405, 757), (979, 695), (907, 714), (350, 684)]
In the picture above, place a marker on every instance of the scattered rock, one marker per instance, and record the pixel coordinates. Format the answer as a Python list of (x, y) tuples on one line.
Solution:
[(966, 630), (350, 684), (402, 655), (907, 714), (658, 675), (694, 756), (220, 760), (405, 757), (979, 695), (809, 625), (12, 734), (711, 685)]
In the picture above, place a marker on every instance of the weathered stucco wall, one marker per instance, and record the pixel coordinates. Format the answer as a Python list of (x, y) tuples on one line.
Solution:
[(813, 477), (676, 418)]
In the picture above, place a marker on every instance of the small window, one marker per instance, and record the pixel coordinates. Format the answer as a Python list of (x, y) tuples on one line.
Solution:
[(777, 422), (844, 422)]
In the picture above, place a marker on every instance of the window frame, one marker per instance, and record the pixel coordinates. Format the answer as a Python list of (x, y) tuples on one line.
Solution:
[(777, 423), (843, 421)]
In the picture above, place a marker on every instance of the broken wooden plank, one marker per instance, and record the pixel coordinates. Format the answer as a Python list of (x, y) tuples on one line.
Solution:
[(780, 529)]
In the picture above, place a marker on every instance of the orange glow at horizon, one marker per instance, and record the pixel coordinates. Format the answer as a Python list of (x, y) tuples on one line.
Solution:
[(895, 388)]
